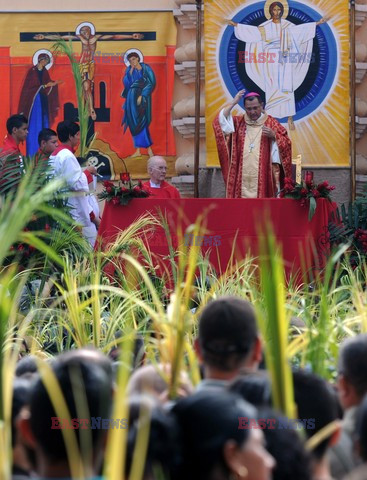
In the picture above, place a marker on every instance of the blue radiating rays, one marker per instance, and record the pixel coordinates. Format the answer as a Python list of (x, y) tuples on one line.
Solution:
[(321, 76)]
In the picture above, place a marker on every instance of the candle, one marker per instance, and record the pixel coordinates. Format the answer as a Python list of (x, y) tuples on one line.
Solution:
[(308, 176)]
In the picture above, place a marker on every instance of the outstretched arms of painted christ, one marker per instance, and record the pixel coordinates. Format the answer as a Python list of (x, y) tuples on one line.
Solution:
[(53, 36)]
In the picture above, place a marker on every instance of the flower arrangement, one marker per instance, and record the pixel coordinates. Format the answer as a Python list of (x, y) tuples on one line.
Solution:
[(360, 239), (307, 192), (123, 192)]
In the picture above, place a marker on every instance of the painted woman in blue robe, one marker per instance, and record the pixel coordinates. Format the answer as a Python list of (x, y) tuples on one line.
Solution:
[(139, 82), (39, 101)]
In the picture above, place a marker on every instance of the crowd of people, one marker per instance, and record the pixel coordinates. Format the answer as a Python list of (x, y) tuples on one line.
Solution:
[(222, 428)]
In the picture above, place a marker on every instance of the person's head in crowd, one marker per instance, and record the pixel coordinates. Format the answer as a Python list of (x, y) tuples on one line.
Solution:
[(317, 406), (286, 446), (85, 380), (27, 366), (214, 447), (21, 395), (162, 458), (157, 169), (69, 133), (17, 127), (228, 339), (150, 380), (254, 387), (138, 350), (91, 356), (361, 430), (47, 141), (352, 371)]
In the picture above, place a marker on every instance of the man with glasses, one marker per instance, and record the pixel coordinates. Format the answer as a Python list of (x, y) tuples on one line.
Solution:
[(157, 186), (254, 149)]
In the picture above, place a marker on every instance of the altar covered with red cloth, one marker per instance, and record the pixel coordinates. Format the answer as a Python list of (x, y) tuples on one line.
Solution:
[(231, 225)]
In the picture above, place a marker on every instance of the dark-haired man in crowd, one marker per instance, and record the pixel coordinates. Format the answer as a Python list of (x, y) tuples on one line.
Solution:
[(352, 386), (10, 156), (228, 341), (17, 128), (64, 164), (48, 142), (85, 380)]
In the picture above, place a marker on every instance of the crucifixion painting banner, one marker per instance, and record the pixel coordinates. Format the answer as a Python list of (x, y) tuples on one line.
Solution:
[(119, 64)]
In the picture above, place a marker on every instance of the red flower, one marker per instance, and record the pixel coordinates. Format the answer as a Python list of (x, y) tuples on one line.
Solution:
[(107, 184), (20, 248), (47, 228), (304, 192), (125, 177), (288, 188), (322, 185), (137, 189), (108, 189), (116, 201), (316, 193), (124, 189)]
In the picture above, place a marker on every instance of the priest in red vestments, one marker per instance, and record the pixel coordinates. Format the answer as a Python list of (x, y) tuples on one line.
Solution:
[(254, 150), (157, 186)]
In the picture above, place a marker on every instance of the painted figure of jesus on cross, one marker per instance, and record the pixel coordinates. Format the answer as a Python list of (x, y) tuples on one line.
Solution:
[(85, 32)]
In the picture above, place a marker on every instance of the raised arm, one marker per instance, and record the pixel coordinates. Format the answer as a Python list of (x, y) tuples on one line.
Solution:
[(227, 109)]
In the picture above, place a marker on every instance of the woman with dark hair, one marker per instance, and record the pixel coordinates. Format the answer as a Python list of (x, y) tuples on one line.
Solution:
[(220, 439)]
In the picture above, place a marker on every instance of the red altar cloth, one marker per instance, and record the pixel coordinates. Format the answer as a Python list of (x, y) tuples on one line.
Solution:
[(229, 221)]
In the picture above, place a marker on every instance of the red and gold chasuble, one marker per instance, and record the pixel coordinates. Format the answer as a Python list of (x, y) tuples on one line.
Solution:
[(245, 157)]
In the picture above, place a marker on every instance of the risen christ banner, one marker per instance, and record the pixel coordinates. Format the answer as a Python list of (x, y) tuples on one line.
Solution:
[(296, 56)]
